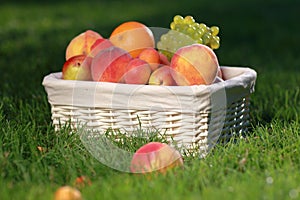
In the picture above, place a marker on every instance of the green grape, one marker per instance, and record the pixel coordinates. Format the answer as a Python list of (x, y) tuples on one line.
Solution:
[(186, 31), (178, 19), (172, 25), (206, 38), (199, 41), (214, 30), (190, 30), (189, 20), (214, 43)]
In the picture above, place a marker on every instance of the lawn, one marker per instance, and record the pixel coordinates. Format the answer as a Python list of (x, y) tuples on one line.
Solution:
[(263, 35)]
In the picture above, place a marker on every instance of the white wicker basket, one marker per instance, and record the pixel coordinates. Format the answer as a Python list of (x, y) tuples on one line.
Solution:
[(192, 116)]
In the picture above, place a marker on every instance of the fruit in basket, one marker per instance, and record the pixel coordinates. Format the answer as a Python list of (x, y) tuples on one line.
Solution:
[(67, 193), (186, 31), (163, 59), (73, 67), (151, 56), (194, 65), (109, 65), (133, 37), (98, 45), (162, 76), (81, 44), (155, 156), (137, 72)]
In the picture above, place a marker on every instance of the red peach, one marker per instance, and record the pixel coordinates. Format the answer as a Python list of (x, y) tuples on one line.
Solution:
[(109, 65), (194, 65), (162, 76), (155, 156), (72, 67), (164, 59), (81, 44), (137, 72), (99, 45)]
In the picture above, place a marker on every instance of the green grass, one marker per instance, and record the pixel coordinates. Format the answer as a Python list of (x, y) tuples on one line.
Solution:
[(259, 34)]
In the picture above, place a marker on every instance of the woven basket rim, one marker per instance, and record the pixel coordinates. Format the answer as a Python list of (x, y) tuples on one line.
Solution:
[(239, 81)]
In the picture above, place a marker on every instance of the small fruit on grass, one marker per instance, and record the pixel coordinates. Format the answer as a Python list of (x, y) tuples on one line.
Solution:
[(137, 72), (67, 193), (81, 44), (151, 56), (133, 37), (155, 156), (162, 76), (109, 65), (72, 67), (194, 65)]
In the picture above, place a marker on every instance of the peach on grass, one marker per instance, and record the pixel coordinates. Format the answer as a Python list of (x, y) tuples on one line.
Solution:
[(81, 44), (151, 56), (137, 72), (162, 76), (155, 156), (67, 193), (133, 37), (194, 65), (109, 65)]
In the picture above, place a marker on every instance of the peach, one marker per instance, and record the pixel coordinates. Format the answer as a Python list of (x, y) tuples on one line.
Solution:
[(164, 59), (162, 76), (99, 45), (133, 37), (194, 65), (81, 44), (109, 65), (137, 72), (67, 193), (155, 156), (73, 67), (151, 56)]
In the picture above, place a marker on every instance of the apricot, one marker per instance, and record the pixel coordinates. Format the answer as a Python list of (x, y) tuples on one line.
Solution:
[(194, 65), (155, 156), (109, 65), (133, 37), (81, 44)]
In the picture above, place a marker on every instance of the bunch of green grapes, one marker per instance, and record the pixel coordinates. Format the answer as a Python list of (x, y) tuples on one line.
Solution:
[(186, 31)]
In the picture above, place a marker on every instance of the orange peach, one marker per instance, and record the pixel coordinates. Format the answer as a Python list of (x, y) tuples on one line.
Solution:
[(67, 193), (133, 37), (81, 44), (151, 56), (137, 72), (109, 65), (194, 65), (155, 156), (162, 76)]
